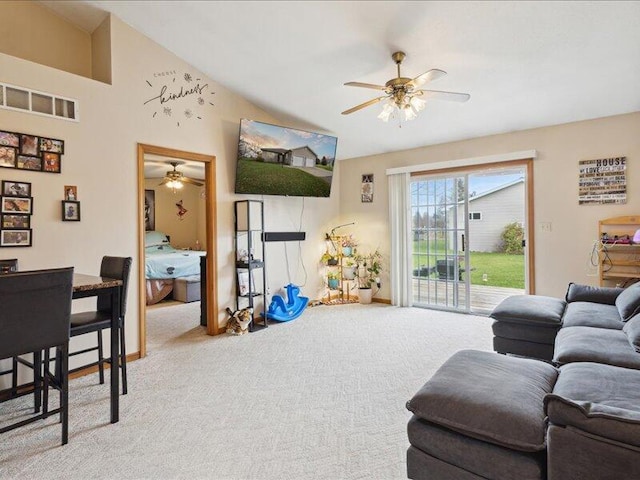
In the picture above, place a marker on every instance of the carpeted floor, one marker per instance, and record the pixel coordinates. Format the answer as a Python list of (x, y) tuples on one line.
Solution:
[(321, 397)]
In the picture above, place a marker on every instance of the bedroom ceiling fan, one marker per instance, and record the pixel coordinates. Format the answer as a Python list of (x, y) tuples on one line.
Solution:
[(176, 180), (404, 94)]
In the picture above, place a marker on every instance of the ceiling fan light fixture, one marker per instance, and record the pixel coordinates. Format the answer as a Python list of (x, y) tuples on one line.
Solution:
[(174, 184), (387, 111), (409, 112), (417, 103)]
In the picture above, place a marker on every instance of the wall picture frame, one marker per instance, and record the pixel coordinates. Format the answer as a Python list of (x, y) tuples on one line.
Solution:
[(29, 145), (70, 192), (16, 189), (149, 210), (51, 162), (51, 145), (11, 221), (9, 139), (15, 238), (70, 211), (17, 205), (8, 157), (27, 162)]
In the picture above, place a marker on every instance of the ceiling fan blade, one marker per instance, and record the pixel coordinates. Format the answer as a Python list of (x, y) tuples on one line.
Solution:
[(363, 105), (366, 85), (451, 96), (427, 77), (191, 181)]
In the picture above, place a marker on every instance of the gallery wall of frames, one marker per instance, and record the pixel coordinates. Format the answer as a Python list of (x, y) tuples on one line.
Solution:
[(21, 151)]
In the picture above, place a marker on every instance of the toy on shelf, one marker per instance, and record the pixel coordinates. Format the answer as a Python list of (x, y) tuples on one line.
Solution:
[(292, 309)]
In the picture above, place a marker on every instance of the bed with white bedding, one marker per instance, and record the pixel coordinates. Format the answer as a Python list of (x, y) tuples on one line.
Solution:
[(164, 263)]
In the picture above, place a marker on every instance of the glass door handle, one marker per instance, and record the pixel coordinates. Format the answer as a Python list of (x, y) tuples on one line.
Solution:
[(463, 242)]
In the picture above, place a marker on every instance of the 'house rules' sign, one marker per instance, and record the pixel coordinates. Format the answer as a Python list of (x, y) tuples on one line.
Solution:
[(603, 181)]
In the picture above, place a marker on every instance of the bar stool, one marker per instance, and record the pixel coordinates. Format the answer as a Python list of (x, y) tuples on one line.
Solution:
[(100, 319), (36, 311)]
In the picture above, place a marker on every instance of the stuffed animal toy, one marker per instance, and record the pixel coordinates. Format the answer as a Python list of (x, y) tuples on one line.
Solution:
[(239, 321)]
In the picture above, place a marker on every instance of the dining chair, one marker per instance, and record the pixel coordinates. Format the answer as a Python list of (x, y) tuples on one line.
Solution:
[(99, 319), (35, 317)]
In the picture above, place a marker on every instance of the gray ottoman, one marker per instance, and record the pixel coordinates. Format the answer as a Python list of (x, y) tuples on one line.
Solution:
[(187, 289), (481, 416), (527, 325)]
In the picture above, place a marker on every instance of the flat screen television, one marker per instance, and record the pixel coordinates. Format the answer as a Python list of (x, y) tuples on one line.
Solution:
[(274, 160)]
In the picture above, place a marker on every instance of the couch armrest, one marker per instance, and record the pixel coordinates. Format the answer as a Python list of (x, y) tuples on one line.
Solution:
[(587, 293)]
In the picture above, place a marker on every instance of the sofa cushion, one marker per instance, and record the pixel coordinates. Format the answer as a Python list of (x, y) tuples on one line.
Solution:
[(628, 302), (530, 309), (600, 345), (632, 331), (599, 399), (530, 333), (490, 397), (482, 458), (587, 314), (587, 293)]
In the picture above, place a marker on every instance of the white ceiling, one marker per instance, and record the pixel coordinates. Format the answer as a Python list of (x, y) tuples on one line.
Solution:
[(525, 64)]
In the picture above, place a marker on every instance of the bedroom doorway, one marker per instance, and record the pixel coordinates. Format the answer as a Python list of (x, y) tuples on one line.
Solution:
[(207, 162)]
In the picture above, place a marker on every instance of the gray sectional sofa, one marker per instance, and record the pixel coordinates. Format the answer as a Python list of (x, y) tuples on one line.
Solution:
[(573, 416)]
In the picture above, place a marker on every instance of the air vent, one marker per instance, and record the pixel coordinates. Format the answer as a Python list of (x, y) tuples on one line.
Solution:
[(41, 103)]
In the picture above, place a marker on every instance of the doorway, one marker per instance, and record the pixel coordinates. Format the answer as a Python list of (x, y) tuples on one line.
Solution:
[(470, 242), (210, 221)]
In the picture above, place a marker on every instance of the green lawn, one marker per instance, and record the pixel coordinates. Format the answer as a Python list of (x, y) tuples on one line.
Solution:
[(502, 270), (274, 179)]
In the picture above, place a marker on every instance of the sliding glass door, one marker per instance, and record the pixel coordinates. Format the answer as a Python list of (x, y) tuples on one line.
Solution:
[(438, 234), (468, 238)]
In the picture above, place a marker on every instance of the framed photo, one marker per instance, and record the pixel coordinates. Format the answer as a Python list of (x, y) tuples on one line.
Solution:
[(70, 211), (16, 189), (17, 205), (243, 283), (29, 145), (12, 222), (70, 192), (26, 162), (8, 157), (366, 189), (9, 139), (51, 162), (51, 145), (149, 210), (15, 238)]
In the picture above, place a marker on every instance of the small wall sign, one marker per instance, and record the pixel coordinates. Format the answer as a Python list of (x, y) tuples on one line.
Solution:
[(603, 181)]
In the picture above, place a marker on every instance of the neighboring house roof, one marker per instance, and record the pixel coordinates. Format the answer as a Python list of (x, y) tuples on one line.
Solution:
[(496, 189), (275, 150)]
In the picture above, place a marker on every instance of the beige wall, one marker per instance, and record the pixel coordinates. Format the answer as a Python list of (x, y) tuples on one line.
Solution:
[(561, 255), (100, 158), (33, 32), (183, 232)]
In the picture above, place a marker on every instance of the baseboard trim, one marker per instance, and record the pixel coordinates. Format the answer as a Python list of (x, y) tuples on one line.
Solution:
[(386, 301), (94, 369)]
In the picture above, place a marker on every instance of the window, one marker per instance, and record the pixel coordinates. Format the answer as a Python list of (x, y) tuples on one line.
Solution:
[(41, 103), (475, 215)]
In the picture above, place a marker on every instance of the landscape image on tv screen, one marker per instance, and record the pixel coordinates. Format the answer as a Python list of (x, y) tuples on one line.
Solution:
[(275, 160)]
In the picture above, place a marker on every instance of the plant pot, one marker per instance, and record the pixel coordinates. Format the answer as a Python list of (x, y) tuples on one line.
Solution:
[(333, 283), (349, 273), (347, 251), (364, 295)]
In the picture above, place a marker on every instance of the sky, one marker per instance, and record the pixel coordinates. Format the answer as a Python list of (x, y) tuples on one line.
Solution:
[(273, 136), (483, 183)]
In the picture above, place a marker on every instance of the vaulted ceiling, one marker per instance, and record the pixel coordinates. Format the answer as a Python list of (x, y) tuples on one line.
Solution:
[(525, 64)]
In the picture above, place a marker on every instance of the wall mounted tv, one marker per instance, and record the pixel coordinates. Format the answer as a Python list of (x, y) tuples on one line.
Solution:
[(275, 160)]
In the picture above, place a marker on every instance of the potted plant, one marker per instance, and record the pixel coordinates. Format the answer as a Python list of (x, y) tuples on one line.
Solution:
[(333, 280), (349, 269), (368, 270), (348, 244), (328, 259)]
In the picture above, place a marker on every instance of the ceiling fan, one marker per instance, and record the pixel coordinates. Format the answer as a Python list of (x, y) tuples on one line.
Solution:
[(404, 94), (175, 179)]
